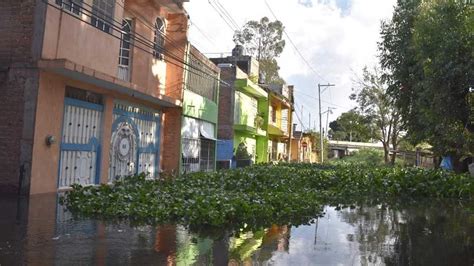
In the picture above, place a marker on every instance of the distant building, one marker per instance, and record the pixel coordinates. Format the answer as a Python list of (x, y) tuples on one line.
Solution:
[(281, 108), (303, 149)]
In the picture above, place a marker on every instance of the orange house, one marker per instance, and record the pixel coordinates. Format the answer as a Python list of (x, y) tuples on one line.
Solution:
[(93, 90)]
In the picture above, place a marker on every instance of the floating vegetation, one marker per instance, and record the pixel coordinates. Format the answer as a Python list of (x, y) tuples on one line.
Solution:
[(260, 195)]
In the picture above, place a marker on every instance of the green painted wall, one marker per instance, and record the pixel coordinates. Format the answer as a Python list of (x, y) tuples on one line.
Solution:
[(199, 107), (257, 145)]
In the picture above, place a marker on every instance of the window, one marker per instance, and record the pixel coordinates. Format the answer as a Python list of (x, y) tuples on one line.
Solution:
[(73, 6), (198, 145), (159, 40), (273, 113), (83, 95), (103, 13), (207, 155), (125, 43), (125, 50)]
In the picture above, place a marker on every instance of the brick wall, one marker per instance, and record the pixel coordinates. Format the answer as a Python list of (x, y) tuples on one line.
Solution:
[(226, 104), (171, 141), (20, 46)]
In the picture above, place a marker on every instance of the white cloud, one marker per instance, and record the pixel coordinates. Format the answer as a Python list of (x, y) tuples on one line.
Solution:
[(337, 43)]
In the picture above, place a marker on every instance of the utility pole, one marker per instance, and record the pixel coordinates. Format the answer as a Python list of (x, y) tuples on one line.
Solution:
[(309, 121), (302, 126), (320, 120), (327, 119)]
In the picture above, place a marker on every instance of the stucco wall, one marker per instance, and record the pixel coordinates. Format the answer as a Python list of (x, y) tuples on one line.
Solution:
[(68, 36), (199, 107), (49, 117)]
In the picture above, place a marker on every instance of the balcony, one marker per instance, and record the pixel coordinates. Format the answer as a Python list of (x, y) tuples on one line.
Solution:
[(98, 36), (204, 82), (75, 31), (248, 87)]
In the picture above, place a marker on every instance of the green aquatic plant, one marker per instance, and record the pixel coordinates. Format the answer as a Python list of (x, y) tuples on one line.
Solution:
[(260, 195)]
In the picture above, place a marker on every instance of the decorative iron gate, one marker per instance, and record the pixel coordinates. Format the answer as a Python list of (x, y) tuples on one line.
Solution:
[(80, 143), (135, 141)]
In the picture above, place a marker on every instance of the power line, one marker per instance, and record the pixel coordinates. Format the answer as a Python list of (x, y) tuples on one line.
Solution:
[(316, 98), (303, 128), (202, 33), (226, 20), (226, 13), (147, 24), (294, 45), (146, 43)]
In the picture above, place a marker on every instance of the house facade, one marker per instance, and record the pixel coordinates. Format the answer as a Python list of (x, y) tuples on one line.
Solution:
[(280, 105), (91, 91), (243, 113), (200, 108), (303, 149)]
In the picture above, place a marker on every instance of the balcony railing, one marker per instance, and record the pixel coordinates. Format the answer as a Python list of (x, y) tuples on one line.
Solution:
[(205, 84)]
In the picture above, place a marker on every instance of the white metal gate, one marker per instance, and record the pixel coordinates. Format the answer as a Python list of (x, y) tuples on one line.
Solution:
[(135, 141), (80, 143)]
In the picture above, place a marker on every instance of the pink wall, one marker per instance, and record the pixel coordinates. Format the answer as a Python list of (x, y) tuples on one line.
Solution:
[(67, 37)]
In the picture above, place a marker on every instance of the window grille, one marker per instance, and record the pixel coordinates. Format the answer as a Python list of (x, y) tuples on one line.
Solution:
[(125, 43), (73, 6), (103, 13), (83, 95), (125, 50), (159, 39), (198, 155), (207, 155), (205, 85)]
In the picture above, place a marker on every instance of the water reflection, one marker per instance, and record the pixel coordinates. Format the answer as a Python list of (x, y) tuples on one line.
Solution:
[(38, 231)]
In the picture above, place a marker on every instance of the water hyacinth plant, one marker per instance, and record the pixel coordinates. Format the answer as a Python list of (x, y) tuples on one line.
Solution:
[(260, 195)]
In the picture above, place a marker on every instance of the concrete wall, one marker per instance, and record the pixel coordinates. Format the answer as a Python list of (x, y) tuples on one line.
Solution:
[(199, 107), (72, 37), (68, 36), (49, 117)]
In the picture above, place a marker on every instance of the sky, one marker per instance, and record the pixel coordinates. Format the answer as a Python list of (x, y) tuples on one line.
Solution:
[(336, 37)]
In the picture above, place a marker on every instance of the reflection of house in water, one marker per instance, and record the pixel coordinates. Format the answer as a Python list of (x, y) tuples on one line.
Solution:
[(259, 247)]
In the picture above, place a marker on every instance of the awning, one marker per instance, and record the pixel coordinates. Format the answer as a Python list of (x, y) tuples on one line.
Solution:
[(207, 130)]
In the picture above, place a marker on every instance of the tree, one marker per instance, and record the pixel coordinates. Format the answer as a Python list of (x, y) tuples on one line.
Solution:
[(264, 40), (427, 54), (351, 126), (376, 104)]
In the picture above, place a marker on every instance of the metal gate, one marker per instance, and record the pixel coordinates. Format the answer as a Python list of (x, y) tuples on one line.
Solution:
[(135, 141), (80, 143)]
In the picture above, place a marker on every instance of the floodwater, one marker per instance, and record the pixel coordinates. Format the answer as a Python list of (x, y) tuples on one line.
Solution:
[(37, 231)]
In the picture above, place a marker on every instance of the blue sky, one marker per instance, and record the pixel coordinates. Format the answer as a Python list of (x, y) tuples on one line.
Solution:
[(337, 37)]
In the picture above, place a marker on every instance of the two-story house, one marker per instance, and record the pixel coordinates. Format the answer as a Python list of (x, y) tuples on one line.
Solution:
[(200, 108), (91, 91), (243, 112), (281, 108)]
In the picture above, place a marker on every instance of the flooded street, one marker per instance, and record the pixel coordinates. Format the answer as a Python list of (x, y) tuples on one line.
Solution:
[(423, 233)]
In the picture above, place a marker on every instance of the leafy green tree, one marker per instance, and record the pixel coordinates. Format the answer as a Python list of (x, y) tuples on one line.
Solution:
[(264, 40), (428, 55), (376, 104), (351, 126)]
